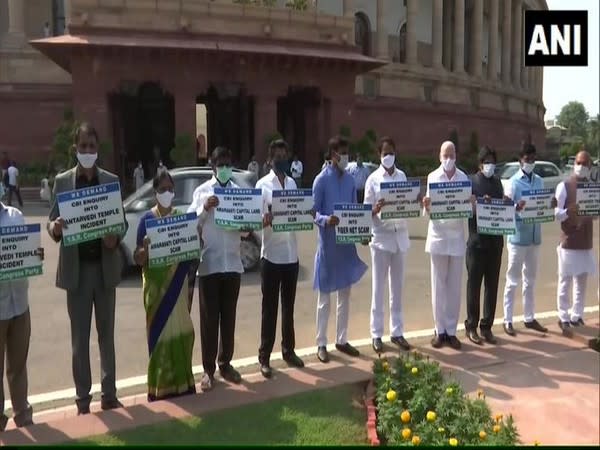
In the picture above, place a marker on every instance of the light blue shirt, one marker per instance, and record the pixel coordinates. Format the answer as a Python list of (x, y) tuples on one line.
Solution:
[(13, 294), (527, 234), (360, 175)]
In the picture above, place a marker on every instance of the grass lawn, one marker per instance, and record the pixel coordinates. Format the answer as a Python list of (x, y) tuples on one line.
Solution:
[(323, 417)]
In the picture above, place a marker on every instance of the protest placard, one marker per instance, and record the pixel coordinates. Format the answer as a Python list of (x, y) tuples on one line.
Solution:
[(239, 209), (450, 200), (588, 199), (172, 239), (18, 252), (355, 222), (496, 217), (91, 213), (538, 206), (401, 199), (292, 210)]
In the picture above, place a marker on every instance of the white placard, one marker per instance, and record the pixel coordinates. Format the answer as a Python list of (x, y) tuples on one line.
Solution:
[(538, 206), (292, 210), (496, 217), (588, 199), (355, 222), (450, 200), (401, 199), (173, 239), (239, 209), (18, 252)]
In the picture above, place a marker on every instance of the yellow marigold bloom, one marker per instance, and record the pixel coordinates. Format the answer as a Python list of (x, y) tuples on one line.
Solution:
[(406, 433), (482, 435), (496, 428), (391, 395), (441, 430), (414, 371), (499, 417), (416, 440), (453, 442), (431, 416), (385, 366), (405, 416), (449, 390)]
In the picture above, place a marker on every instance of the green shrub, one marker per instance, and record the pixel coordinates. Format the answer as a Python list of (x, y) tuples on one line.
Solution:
[(184, 152), (415, 405), (417, 166)]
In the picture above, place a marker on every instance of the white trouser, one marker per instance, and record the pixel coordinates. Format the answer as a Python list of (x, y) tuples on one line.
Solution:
[(387, 265), (562, 297), (343, 310), (446, 282), (522, 262)]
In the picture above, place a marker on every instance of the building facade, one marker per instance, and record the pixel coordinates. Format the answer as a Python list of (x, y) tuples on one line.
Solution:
[(417, 70)]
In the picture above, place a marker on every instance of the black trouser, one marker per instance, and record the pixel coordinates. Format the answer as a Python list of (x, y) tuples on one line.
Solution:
[(482, 264), (218, 304), (192, 282), (277, 278), (14, 190)]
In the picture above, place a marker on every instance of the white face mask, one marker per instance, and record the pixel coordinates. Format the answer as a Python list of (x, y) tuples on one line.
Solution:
[(448, 164), (388, 161), (581, 171), (87, 160), (488, 170), (343, 163), (528, 167), (165, 198)]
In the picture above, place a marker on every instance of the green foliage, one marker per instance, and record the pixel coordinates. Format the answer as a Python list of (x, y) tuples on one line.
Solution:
[(31, 175), (365, 146), (413, 395), (63, 155), (573, 116), (417, 166), (298, 5), (570, 149), (593, 136), (272, 137), (184, 152)]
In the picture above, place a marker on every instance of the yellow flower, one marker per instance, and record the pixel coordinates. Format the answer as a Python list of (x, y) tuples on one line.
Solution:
[(480, 393), (431, 416), (496, 428), (441, 430), (391, 395), (406, 433), (414, 371), (408, 365), (449, 390), (416, 440), (499, 417), (482, 435), (405, 416), (453, 442), (385, 366)]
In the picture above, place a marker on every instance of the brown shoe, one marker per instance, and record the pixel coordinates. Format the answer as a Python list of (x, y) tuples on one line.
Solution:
[(437, 341)]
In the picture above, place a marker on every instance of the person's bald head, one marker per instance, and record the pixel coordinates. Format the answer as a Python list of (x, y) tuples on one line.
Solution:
[(447, 150), (583, 158)]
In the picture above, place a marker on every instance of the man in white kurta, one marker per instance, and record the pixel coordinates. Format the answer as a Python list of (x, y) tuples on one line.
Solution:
[(388, 251), (576, 258), (447, 246)]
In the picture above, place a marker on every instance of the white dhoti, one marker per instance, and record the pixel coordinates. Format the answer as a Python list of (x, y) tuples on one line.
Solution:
[(574, 266), (522, 264), (446, 282), (387, 266)]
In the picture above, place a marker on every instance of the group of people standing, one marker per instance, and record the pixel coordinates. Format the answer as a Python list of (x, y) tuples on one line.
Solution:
[(89, 272)]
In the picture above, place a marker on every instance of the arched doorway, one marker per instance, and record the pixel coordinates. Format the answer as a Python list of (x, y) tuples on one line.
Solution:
[(362, 33)]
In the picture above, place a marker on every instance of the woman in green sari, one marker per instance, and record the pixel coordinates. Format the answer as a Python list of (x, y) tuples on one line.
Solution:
[(169, 327)]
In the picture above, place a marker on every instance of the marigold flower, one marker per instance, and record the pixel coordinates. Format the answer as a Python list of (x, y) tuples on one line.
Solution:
[(482, 435), (416, 440), (405, 416), (406, 433), (414, 371), (496, 428), (431, 416), (391, 395), (441, 430), (453, 442), (449, 390)]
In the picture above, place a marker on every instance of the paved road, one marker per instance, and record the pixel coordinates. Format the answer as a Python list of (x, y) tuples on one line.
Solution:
[(49, 357)]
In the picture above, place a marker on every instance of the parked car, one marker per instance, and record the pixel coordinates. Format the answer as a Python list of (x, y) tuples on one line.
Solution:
[(186, 180), (550, 173)]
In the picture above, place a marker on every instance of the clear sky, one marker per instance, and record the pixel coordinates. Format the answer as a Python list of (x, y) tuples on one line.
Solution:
[(564, 84)]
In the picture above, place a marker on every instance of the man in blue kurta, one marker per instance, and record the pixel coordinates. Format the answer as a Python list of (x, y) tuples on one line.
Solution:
[(337, 266)]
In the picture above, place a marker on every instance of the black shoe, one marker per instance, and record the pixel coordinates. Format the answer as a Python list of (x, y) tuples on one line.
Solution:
[(230, 374), (347, 349), (535, 325), (113, 403), (489, 336), (437, 341), (508, 329), (82, 410), (400, 342), (27, 423), (474, 337), (293, 360), (454, 342), (564, 326), (266, 370), (377, 345), (578, 323), (322, 354)]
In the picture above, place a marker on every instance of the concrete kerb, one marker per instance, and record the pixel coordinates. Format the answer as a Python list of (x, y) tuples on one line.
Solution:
[(60, 400)]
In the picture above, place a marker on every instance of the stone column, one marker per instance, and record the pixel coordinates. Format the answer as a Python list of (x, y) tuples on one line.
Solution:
[(382, 36), (475, 59), (517, 62), (348, 8), (493, 40), (67, 11), (459, 36), (265, 123), (437, 27), (447, 57), (506, 41), (16, 24), (412, 11)]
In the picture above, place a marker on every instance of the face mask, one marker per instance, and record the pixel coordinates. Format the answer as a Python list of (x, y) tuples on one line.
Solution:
[(581, 171), (87, 160), (388, 161), (528, 167), (448, 164), (281, 166), (488, 170), (165, 198), (343, 163), (224, 174)]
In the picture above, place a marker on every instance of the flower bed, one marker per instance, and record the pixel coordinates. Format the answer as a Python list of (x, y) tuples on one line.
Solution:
[(415, 405)]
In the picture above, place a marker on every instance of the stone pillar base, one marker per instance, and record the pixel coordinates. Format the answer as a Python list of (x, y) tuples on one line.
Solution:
[(13, 40)]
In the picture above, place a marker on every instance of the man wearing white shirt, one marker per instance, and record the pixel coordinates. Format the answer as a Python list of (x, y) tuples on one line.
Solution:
[(447, 246), (279, 267), (13, 184), (297, 169), (359, 173), (575, 251), (220, 274), (388, 251)]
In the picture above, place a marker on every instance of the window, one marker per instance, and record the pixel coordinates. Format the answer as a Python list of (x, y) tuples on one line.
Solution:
[(546, 170), (362, 33)]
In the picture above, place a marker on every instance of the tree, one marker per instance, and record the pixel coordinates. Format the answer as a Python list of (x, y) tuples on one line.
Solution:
[(184, 152), (593, 135), (573, 116)]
